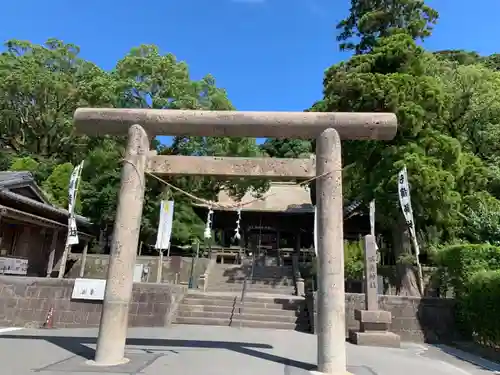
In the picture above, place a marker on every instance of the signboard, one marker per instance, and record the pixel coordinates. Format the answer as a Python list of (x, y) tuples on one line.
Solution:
[(138, 271), (13, 266), (89, 289), (165, 225)]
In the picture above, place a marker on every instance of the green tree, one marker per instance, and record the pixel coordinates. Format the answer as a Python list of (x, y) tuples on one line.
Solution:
[(398, 76), (370, 20), (287, 148), (447, 109), (42, 85), (27, 164), (56, 185), (459, 56), (100, 182), (40, 88), (149, 79)]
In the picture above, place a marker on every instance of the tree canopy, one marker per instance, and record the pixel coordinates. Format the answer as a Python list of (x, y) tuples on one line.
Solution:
[(42, 85), (447, 107)]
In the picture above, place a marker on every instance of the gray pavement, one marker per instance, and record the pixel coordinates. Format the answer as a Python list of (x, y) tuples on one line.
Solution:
[(208, 350)]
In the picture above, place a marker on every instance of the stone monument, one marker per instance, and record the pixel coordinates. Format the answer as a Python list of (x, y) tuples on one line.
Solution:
[(374, 323)]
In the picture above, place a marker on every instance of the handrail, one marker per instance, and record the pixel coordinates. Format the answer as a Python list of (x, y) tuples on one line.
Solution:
[(244, 288), (232, 312)]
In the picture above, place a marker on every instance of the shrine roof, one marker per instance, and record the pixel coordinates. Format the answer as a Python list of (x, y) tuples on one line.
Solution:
[(286, 197), (282, 197)]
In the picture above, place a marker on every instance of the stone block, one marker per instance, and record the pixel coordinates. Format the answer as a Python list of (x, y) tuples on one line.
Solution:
[(377, 320), (375, 338), (374, 316)]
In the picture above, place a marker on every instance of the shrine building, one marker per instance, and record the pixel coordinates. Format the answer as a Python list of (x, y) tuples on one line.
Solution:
[(276, 226)]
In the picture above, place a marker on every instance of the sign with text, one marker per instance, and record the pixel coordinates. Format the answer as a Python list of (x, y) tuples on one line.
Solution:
[(371, 277), (13, 266), (89, 289)]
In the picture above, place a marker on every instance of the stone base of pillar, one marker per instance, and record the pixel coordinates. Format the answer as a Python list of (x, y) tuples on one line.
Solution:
[(374, 329), (202, 283), (375, 338)]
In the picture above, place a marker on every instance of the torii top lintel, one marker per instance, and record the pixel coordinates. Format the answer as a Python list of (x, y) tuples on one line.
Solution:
[(304, 125)]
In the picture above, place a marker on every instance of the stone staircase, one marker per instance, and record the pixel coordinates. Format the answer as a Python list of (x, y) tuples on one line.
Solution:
[(272, 279), (257, 311)]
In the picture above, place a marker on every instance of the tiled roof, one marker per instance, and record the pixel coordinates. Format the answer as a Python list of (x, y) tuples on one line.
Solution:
[(9, 180), (287, 197), (13, 178)]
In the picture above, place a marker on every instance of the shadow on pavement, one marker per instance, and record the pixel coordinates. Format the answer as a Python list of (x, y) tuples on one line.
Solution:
[(78, 346)]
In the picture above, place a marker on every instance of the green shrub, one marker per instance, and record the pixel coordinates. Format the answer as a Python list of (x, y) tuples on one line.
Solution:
[(353, 264), (353, 260), (479, 307), (473, 272), (458, 263)]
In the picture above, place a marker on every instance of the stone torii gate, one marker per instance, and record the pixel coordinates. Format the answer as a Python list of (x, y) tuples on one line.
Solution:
[(144, 124)]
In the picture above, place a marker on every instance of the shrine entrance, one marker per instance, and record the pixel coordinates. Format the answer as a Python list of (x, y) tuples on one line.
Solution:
[(144, 124)]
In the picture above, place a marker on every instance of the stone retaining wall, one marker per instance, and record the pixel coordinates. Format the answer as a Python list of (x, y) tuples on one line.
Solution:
[(176, 269), (26, 301), (414, 319)]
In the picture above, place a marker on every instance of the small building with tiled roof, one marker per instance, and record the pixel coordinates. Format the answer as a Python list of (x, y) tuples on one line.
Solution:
[(31, 228)]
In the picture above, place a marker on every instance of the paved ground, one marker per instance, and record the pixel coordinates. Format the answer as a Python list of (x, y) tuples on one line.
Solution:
[(189, 350)]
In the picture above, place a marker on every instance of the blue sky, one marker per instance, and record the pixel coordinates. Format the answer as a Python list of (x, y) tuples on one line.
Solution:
[(268, 54)]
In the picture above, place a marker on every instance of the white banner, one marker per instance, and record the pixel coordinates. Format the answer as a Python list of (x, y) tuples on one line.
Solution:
[(405, 203), (372, 217), (72, 232), (165, 225), (72, 238), (73, 187), (316, 230), (405, 200)]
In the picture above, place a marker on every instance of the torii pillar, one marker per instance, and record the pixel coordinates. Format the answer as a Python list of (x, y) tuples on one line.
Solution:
[(327, 128)]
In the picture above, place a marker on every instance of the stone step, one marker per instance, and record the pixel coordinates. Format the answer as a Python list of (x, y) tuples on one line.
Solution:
[(247, 310), (289, 292), (238, 286), (264, 274), (273, 304), (234, 323), (243, 316), (246, 270), (251, 297), (255, 280)]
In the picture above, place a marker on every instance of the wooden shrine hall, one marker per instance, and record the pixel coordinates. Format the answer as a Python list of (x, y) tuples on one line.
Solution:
[(277, 226)]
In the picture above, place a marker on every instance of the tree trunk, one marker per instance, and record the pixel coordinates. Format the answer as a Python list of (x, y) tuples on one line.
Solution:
[(406, 283)]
